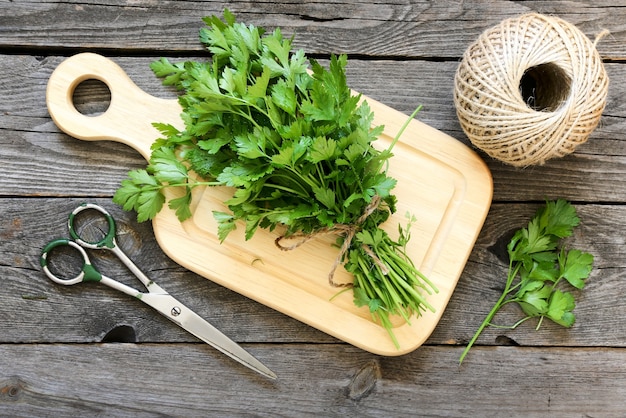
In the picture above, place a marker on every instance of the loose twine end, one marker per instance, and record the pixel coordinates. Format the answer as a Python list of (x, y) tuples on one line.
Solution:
[(600, 36), (348, 232)]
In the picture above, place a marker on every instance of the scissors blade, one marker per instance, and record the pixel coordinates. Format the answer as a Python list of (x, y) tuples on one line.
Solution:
[(196, 325)]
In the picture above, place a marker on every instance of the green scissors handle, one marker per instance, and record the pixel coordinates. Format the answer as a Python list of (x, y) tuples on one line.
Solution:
[(107, 242), (88, 272)]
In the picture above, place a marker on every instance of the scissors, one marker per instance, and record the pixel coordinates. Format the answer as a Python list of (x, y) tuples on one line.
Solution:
[(155, 296)]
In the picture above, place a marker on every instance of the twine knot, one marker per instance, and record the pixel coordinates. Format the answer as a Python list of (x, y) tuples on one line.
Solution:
[(348, 231)]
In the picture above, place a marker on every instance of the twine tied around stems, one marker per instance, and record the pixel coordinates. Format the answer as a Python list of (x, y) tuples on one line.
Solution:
[(348, 231), (530, 89)]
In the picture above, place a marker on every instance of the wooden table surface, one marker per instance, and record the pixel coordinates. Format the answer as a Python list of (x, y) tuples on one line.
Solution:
[(91, 351)]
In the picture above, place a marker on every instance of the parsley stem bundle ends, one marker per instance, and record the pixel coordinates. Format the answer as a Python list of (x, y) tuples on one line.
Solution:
[(296, 148), (541, 264)]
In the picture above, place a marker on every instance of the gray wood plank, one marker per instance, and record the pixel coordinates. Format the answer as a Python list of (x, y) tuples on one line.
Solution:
[(191, 380), (36, 159), (420, 29), (37, 310)]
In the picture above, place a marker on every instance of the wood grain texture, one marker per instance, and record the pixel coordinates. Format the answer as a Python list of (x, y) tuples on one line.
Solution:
[(389, 28), (334, 381), (54, 360)]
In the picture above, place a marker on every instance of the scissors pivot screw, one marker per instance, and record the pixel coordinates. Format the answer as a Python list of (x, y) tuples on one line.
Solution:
[(175, 311)]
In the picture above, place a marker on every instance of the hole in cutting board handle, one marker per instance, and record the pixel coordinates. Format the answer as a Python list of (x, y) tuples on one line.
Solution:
[(91, 97)]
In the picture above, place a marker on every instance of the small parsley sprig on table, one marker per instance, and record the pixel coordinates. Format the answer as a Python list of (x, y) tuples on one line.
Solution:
[(540, 264), (295, 145)]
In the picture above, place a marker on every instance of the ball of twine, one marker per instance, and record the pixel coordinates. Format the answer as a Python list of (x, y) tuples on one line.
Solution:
[(530, 89)]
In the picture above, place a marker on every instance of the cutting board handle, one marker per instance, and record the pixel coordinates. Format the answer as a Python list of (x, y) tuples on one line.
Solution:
[(129, 116)]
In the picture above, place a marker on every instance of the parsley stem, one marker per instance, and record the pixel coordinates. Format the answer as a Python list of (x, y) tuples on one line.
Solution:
[(515, 325), (539, 322), (287, 189), (409, 269), (494, 310), (404, 278), (403, 128)]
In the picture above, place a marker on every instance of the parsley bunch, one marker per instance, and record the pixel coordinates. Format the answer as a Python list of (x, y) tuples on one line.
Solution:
[(540, 263), (296, 147)]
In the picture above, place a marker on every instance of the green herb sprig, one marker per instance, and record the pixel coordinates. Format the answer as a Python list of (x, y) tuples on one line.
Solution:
[(540, 264), (295, 144)]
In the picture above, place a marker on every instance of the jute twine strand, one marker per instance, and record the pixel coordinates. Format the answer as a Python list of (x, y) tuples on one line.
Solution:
[(348, 232), (569, 82)]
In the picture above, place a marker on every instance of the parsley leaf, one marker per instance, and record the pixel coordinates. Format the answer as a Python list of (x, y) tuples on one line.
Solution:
[(140, 192), (561, 307), (575, 267), (167, 167), (181, 205), (225, 224)]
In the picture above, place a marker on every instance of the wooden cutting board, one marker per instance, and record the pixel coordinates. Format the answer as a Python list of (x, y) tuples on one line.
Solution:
[(440, 181)]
